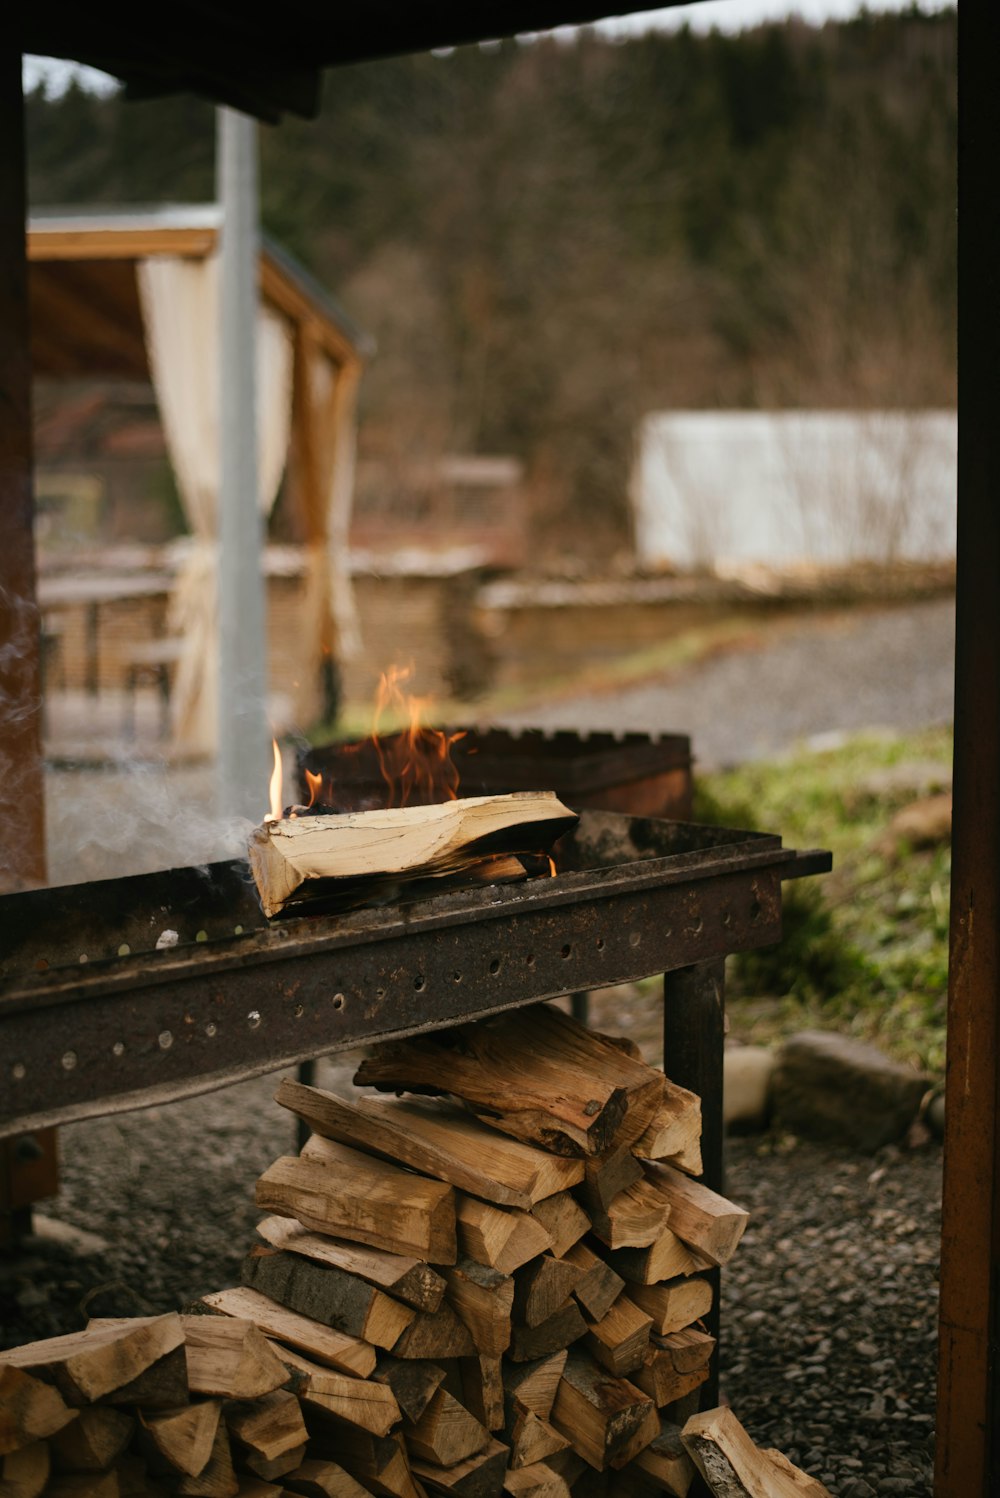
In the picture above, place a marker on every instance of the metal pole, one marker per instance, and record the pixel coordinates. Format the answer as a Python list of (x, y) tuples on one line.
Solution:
[(242, 764)]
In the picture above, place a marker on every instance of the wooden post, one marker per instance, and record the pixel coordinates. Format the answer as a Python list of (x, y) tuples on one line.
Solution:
[(694, 1022), (22, 792), (968, 1423), (243, 760)]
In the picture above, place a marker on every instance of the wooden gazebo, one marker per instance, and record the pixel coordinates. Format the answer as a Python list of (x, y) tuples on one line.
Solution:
[(229, 55), (101, 284)]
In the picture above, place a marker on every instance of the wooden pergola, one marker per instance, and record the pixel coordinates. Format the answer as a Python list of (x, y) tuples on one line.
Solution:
[(226, 55), (86, 321)]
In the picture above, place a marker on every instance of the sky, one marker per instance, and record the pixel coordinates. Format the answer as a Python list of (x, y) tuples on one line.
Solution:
[(725, 15)]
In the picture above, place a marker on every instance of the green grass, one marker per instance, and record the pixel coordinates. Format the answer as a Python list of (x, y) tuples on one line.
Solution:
[(865, 948)]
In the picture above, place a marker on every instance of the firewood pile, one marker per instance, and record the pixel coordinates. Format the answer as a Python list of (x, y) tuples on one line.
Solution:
[(495, 1284)]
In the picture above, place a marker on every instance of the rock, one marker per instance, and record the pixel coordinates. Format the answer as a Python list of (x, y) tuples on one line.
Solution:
[(829, 1086), (746, 1087), (922, 824), (935, 1115)]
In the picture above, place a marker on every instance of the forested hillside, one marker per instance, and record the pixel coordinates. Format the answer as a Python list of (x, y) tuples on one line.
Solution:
[(549, 239)]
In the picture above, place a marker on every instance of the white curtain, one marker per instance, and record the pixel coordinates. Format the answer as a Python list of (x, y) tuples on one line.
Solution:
[(180, 309)]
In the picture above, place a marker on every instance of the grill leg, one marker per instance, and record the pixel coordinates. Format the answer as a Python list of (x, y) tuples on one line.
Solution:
[(694, 1019), (307, 1076)]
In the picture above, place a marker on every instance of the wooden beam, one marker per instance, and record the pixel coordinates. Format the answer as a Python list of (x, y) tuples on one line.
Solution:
[(296, 304), (120, 243), (968, 1418), (22, 797)]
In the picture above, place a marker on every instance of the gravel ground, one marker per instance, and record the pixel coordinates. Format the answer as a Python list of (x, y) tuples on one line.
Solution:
[(802, 679), (829, 1306)]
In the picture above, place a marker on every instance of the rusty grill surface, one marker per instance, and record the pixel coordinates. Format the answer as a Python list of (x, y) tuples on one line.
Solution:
[(94, 1019)]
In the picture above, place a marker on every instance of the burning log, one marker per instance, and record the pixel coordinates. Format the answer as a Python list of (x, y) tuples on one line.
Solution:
[(364, 855)]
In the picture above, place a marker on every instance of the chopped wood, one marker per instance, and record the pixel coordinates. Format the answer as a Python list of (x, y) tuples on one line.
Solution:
[(316, 1478), (598, 1287), (479, 1476), (733, 1467), (24, 1472), (302, 858), (92, 1441), (666, 1460), (357, 1401), (564, 1220), (270, 1427), (30, 1409), (256, 1487), (483, 1298), (664, 1259), (700, 1217), (674, 1131), (435, 1334), (405, 1278), (339, 1349), (543, 1287), (327, 1295), (620, 1340), (570, 1466), (84, 1485), (539, 1481), (446, 1432), (534, 1385), (531, 1438), (500, 1238), (437, 1139), (482, 1390), (537, 1074), (89, 1365), (601, 1415), (413, 1383), (364, 1200), (608, 1174), (675, 1303), (134, 1480), (183, 1439), (230, 1358), (217, 1478), (690, 1348), (381, 1463), (809, 1487), (560, 1329), (161, 1386), (277, 1466), (635, 1218), (660, 1379)]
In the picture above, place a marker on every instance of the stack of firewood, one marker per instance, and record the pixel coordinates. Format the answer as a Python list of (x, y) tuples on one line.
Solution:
[(496, 1286)]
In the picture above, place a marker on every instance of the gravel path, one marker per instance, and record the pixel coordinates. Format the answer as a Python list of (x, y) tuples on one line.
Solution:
[(812, 676), (829, 1306)]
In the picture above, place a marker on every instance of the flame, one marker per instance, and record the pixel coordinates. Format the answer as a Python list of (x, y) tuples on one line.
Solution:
[(552, 866), (314, 782), (274, 786), (416, 763)]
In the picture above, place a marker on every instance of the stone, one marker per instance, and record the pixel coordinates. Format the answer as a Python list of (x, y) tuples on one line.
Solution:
[(831, 1087), (746, 1087), (923, 824), (935, 1115)]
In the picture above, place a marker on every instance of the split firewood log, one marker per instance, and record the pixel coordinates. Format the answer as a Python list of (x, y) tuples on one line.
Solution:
[(598, 1287), (437, 1139), (502, 1239), (30, 1409), (620, 1340), (543, 1287), (478, 1476), (106, 1357), (564, 1220), (674, 1132), (537, 1074), (323, 1343), (701, 1218), (483, 1298), (181, 1440), (564, 1327), (364, 1200), (24, 1473), (326, 1295), (674, 1304), (230, 1358), (401, 1276), (733, 1467), (606, 1419)]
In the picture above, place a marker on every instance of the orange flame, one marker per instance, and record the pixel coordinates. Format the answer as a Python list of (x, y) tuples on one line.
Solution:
[(416, 764), (314, 782), (274, 786)]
